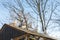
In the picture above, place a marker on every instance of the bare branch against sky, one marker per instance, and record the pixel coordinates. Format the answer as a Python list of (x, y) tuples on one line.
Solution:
[(43, 12)]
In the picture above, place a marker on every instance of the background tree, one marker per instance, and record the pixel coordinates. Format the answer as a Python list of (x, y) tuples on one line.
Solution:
[(45, 9), (16, 10)]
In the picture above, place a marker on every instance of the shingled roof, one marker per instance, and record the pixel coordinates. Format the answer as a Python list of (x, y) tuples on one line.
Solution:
[(11, 32)]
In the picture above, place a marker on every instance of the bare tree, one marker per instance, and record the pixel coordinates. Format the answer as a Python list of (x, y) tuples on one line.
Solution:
[(17, 11), (41, 7)]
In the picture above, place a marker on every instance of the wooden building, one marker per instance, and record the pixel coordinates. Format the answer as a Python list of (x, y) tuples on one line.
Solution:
[(10, 32)]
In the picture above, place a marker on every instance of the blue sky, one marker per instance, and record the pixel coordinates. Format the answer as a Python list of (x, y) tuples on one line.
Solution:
[(4, 14), (4, 18)]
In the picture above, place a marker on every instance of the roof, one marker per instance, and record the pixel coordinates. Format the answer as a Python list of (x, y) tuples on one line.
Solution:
[(8, 32), (12, 32)]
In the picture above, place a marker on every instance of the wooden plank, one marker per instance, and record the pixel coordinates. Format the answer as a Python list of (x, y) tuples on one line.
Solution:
[(20, 37)]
